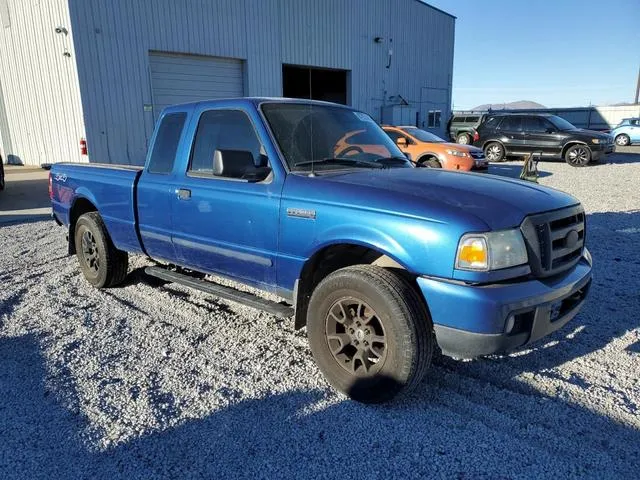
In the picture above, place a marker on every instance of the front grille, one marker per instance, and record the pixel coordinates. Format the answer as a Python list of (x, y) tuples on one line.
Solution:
[(555, 240)]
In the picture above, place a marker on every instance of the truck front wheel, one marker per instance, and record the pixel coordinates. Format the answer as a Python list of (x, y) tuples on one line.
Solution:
[(102, 264), (369, 333)]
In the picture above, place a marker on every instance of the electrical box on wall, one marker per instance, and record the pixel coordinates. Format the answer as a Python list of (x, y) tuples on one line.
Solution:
[(399, 115)]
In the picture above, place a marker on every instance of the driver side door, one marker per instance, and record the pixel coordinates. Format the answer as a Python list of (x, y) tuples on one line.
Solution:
[(226, 224), (542, 136)]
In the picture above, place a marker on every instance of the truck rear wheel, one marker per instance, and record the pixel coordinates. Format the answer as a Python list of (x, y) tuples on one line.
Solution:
[(101, 263), (369, 333)]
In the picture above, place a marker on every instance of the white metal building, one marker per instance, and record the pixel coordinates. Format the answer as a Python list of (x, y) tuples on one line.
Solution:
[(102, 70)]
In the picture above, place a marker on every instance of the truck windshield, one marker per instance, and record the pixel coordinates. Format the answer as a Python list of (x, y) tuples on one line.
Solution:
[(310, 133)]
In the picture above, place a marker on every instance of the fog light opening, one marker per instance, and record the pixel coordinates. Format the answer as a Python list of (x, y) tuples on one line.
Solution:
[(511, 321)]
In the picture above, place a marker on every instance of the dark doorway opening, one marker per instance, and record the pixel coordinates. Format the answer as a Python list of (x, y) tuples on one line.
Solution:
[(315, 83)]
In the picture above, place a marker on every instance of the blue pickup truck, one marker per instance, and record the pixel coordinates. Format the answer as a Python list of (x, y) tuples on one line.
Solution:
[(381, 261)]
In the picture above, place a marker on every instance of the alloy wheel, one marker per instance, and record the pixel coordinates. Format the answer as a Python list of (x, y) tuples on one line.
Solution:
[(494, 153), (622, 140), (355, 336), (578, 156)]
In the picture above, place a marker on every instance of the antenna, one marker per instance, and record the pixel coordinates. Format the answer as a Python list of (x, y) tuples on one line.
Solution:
[(313, 172)]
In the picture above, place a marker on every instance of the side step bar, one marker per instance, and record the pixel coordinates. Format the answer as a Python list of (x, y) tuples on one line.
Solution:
[(228, 293)]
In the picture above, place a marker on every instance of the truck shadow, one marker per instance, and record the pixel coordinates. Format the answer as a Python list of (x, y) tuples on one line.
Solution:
[(448, 428)]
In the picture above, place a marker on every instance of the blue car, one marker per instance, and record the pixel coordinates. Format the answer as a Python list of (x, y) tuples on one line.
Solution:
[(627, 132)]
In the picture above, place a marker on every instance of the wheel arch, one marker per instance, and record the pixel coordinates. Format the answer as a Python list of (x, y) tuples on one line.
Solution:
[(495, 140), (570, 144), (333, 256), (81, 205), (427, 155)]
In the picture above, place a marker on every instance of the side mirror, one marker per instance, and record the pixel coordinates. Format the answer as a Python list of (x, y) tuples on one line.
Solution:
[(401, 142), (239, 164), (550, 130)]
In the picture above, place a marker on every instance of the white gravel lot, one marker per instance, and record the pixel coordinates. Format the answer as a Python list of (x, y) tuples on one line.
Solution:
[(144, 382)]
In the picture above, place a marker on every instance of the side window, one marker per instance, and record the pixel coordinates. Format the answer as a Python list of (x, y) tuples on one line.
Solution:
[(163, 155), (225, 130), (511, 124), (393, 135), (535, 125), (472, 119), (635, 122), (434, 118), (491, 122)]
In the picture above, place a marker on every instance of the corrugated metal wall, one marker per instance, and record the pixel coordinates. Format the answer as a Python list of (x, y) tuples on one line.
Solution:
[(43, 119), (113, 40)]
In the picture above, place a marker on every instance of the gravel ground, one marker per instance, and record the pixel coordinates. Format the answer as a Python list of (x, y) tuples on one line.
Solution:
[(144, 382)]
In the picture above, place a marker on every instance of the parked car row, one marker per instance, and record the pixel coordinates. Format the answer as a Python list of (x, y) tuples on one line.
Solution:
[(503, 134), (627, 132)]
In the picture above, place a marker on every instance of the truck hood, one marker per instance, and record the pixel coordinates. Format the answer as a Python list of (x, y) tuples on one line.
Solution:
[(445, 196)]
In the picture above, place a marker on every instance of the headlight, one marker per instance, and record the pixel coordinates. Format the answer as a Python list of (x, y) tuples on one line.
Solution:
[(491, 251), (595, 140), (457, 153)]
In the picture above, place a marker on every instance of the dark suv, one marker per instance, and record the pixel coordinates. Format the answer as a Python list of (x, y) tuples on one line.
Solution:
[(462, 126), (519, 134)]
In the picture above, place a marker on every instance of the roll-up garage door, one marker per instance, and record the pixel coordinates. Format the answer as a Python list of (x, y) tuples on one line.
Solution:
[(188, 78)]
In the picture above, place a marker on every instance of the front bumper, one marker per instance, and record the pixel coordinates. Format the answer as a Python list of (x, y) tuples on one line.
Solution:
[(598, 154), (471, 320)]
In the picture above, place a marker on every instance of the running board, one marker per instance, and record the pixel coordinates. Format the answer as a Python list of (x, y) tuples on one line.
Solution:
[(228, 293)]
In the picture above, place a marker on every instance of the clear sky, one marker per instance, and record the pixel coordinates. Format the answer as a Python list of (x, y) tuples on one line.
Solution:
[(561, 53)]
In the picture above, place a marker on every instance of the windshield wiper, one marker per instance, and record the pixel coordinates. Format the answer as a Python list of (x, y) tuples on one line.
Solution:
[(340, 161), (400, 159)]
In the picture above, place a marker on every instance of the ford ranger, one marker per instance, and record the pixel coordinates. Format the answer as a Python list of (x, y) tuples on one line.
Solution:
[(382, 262)]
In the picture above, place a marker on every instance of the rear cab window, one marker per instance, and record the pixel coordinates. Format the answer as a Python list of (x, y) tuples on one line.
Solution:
[(165, 147)]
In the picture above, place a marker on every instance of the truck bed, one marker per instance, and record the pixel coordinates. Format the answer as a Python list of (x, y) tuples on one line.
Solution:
[(109, 187)]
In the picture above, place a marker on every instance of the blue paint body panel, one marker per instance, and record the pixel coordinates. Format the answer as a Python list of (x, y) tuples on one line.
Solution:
[(262, 234)]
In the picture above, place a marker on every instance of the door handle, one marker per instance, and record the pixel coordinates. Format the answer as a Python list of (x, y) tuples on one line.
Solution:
[(183, 194)]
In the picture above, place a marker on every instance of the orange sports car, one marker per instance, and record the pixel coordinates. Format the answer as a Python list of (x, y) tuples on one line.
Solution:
[(432, 151)]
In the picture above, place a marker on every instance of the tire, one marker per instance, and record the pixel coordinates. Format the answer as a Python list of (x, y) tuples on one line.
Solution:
[(430, 162), (378, 305), (494, 152), (1, 175), (622, 140), (464, 139), (100, 262), (578, 155)]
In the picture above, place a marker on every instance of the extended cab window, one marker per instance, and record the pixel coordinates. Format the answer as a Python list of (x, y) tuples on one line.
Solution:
[(224, 130), (165, 147)]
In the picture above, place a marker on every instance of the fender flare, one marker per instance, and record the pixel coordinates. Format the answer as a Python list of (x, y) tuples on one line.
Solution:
[(570, 144)]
